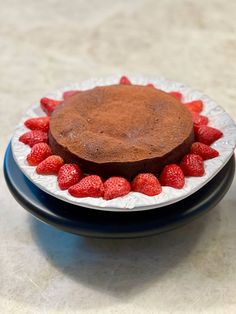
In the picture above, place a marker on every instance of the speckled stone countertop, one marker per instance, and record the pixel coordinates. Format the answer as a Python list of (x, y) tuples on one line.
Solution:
[(47, 44)]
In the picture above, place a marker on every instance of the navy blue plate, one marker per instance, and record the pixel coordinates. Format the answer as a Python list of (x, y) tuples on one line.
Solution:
[(95, 223)]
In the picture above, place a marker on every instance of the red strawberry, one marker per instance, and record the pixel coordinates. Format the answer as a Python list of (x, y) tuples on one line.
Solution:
[(172, 175), (48, 105), (90, 186), (199, 119), (38, 153), (50, 165), (41, 123), (192, 165), (33, 137), (195, 105), (206, 134), (68, 175), (177, 95), (125, 81), (146, 183), (69, 93), (205, 151), (115, 187), (150, 85)]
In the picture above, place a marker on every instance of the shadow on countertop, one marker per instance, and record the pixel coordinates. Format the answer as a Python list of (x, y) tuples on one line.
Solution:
[(121, 267)]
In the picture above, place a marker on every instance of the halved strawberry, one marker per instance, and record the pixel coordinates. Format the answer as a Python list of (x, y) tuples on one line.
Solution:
[(199, 119), (50, 165), (90, 186), (38, 153), (195, 105), (205, 151), (68, 175), (146, 183), (150, 85), (33, 137), (173, 176), (48, 105), (206, 134), (40, 123), (176, 95), (125, 81), (192, 165), (116, 187)]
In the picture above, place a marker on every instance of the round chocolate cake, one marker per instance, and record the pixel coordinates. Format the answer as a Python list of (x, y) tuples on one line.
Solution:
[(121, 130)]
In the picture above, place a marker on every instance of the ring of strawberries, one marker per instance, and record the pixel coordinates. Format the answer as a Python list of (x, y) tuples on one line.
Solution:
[(71, 178)]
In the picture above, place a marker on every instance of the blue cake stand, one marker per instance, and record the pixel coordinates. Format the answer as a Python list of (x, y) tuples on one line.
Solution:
[(105, 224)]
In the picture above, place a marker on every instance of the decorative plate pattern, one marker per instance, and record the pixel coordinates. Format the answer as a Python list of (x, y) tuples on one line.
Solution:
[(218, 118)]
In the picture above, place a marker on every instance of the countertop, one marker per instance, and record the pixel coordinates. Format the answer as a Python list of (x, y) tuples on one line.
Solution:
[(48, 44)]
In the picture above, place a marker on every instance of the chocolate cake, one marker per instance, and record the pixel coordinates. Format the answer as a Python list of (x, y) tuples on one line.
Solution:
[(121, 130)]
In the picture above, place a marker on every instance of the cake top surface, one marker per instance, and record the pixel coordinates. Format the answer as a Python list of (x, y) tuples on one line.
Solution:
[(120, 123)]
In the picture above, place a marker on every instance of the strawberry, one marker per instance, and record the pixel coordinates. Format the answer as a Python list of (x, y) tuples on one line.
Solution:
[(115, 187), (38, 153), (150, 85), (125, 81), (146, 183), (206, 134), (90, 186), (192, 165), (69, 93), (172, 175), (68, 175), (48, 105), (41, 124), (195, 105), (203, 150), (50, 165), (177, 95), (199, 119), (33, 137)]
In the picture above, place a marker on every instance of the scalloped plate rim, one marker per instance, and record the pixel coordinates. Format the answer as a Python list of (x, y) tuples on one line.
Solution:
[(112, 80)]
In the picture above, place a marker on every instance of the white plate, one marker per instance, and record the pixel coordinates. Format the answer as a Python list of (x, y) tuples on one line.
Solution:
[(218, 118)]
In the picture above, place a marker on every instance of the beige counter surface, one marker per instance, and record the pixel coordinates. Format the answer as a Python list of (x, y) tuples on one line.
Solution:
[(48, 44)]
